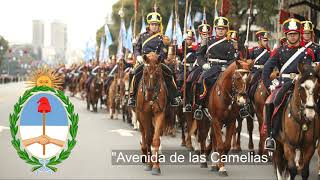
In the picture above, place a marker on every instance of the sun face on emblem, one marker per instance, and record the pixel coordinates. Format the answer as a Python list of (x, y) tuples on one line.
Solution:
[(45, 77)]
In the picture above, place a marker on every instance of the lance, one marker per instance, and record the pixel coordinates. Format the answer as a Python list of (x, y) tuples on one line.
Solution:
[(136, 6), (185, 54), (246, 44)]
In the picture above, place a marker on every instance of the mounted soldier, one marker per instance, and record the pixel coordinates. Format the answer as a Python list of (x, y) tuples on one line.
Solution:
[(204, 29), (94, 70), (286, 58), (259, 54), (233, 36), (191, 57), (214, 55), (308, 36), (151, 41)]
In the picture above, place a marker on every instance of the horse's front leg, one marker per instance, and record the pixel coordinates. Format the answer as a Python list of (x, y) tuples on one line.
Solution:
[(290, 155), (307, 156), (238, 134), (158, 125), (231, 129), (250, 130), (218, 145)]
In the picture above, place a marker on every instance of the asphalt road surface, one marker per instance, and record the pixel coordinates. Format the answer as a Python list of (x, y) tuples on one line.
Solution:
[(97, 137)]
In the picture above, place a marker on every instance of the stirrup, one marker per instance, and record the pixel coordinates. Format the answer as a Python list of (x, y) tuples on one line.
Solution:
[(274, 144), (176, 101), (187, 108), (131, 102), (244, 111), (198, 114)]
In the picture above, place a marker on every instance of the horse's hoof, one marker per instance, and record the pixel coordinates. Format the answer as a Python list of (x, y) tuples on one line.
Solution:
[(190, 148), (204, 165), (183, 144), (223, 173), (197, 152), (236, 150), (148, 167), (214, 169), (156, 171)]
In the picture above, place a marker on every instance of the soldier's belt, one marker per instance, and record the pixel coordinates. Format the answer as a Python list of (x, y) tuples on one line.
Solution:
[(291, 75), (258, 66), (217, 60)]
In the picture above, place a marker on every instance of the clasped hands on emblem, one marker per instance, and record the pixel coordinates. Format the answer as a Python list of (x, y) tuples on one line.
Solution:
[(43, 140)]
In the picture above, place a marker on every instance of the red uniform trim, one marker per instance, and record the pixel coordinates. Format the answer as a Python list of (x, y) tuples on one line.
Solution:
[(311, 53)]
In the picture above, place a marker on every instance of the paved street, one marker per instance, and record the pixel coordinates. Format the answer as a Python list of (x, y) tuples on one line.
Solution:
[(97, 137)]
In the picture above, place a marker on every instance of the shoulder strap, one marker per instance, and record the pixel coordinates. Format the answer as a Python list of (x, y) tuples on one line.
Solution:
[(294, 56), (215, 43), (151, 37), (260, 55)]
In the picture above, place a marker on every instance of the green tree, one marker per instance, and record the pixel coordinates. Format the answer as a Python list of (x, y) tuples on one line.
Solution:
[(4, 45)]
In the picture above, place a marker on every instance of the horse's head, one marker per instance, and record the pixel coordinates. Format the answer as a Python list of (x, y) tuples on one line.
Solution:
[(240, 80), (306, 90), (151, 74)]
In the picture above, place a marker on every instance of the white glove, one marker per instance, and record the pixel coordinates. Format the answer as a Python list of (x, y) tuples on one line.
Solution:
[(140, 59), (275, 82), (272, 87), (206, 66)]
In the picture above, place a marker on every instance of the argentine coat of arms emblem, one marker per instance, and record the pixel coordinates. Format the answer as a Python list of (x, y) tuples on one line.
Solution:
[(43, 124)]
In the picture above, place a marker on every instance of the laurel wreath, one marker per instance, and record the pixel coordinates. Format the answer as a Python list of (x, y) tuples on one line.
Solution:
[(74, 118)]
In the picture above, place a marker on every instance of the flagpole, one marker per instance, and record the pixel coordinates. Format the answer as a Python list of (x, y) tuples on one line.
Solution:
[(136, 6), (246, 44), (185, 54)]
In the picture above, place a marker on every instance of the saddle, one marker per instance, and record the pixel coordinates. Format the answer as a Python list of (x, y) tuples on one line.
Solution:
[(278, 109)]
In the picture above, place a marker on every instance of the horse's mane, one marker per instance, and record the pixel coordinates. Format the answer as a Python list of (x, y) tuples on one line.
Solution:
[(308, 71)]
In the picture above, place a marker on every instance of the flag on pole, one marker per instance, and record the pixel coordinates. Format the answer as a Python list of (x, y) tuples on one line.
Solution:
[(121, 40), (129, 38), (108, 35), (169, 26), (215, 16), (108, 42), (86, 53), (190, 24), (143, 27), (179, 33), (101, 50)]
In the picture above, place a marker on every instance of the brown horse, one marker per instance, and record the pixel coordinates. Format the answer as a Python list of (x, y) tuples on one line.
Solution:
[(94, 92), (116, 92), (150, 110), (226, 96), (299, 132), (82, 82), (257, 105)]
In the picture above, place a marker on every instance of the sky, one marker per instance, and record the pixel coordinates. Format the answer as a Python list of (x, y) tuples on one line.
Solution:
[(31, 117), (83, 18)]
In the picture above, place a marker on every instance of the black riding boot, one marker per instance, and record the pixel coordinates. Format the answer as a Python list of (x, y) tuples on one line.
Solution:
[(270, 142), (173, 93), (198, 114), (131, 100), (188, 107)]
